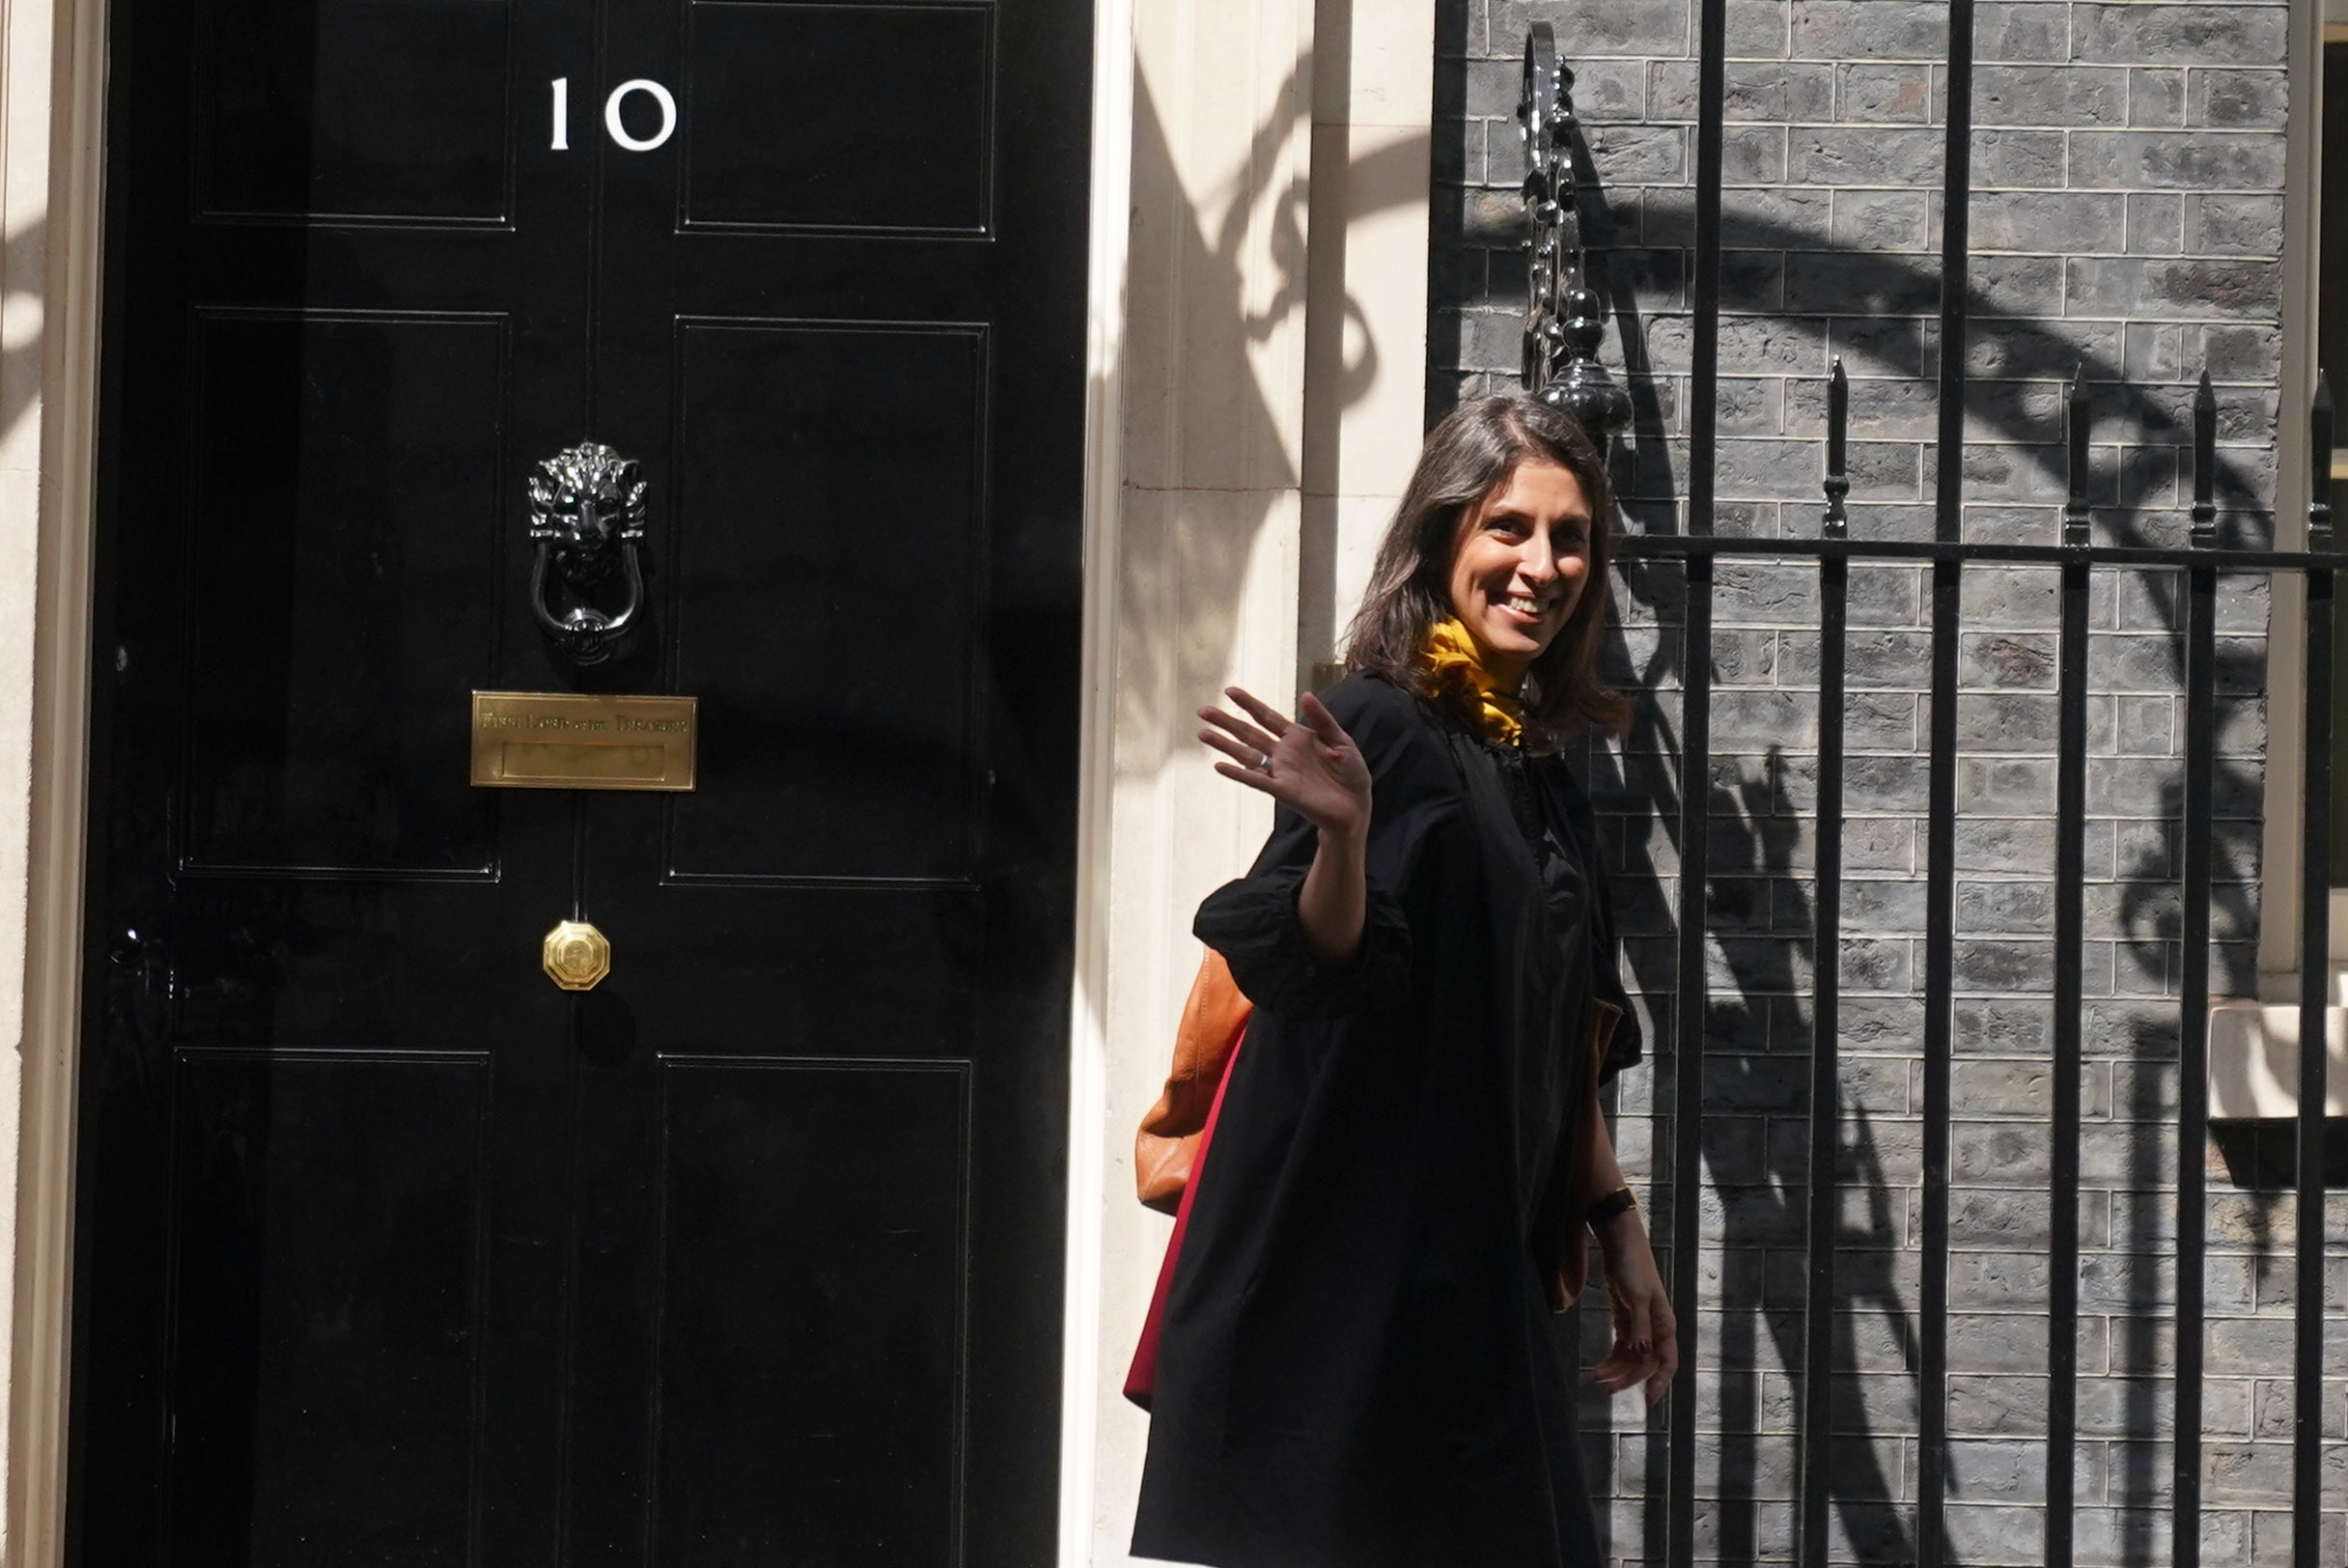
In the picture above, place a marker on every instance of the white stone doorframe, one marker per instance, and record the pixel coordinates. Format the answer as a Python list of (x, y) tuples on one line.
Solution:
[(1108, 203), (50, 214)]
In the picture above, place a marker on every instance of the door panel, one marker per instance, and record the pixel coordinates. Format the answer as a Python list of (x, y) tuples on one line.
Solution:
[(773, 144), (328, 1226), (344, 568), (815, 534), (815, 1261), (384, 111), (387, 1249)]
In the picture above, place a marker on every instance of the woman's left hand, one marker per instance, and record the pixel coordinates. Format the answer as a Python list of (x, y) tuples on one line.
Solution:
[(1646, 1335)]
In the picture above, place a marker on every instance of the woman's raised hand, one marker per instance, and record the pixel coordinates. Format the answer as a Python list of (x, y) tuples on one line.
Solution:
[(1307, 764)]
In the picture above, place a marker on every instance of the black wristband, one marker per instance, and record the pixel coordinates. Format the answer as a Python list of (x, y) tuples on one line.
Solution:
[(1621, 1200)]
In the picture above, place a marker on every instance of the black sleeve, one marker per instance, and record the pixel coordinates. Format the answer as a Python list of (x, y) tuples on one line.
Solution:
[(1623, 1050), (1605, 973), (1253, 922)]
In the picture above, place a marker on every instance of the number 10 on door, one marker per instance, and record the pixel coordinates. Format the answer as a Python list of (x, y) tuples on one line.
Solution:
[(613, 127)]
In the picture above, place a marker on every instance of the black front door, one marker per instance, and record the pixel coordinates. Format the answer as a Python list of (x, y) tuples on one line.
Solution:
[(388, 1249)]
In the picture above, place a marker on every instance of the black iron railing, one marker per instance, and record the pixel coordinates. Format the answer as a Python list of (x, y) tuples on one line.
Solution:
[(2197, 564), (2200, 564)]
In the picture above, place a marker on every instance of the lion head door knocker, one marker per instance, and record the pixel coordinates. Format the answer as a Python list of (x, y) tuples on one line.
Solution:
[(586, 512)]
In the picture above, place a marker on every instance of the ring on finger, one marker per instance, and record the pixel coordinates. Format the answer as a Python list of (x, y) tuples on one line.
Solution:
[(1263, 761)]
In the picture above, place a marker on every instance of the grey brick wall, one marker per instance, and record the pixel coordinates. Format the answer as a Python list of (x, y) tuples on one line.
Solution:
[(2127, 215)]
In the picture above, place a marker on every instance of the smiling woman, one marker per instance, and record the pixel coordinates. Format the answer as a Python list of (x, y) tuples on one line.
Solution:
[(1512, 490), (1354, 1365), (1524, 554)]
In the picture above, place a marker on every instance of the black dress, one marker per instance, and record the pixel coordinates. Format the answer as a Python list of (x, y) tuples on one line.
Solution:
[(1357, 1367)]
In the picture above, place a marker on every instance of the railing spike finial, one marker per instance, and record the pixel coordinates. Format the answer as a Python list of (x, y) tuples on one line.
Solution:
[(2319, 493), (1837, 523), (2205, 463), (2075, 510), (1563, 316)]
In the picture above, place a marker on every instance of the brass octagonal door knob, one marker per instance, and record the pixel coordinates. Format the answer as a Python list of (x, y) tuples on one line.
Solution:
[(576, 955)]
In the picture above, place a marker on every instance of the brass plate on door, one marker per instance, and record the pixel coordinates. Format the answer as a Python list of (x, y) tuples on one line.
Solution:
[(579, 741)]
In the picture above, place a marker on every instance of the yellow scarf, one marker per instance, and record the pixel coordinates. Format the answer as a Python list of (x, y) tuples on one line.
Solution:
[(1451, 653)]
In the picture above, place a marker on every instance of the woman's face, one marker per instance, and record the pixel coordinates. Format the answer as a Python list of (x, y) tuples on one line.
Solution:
[(1518, 564)]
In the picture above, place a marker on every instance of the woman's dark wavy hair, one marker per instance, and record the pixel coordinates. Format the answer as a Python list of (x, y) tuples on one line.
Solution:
[(1468, 457)]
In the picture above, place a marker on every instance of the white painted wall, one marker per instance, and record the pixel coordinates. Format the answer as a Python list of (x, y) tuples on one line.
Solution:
[(1365, 367)]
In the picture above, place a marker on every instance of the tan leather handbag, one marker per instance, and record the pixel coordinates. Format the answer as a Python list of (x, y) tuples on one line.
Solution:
[(1167, 1146)]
